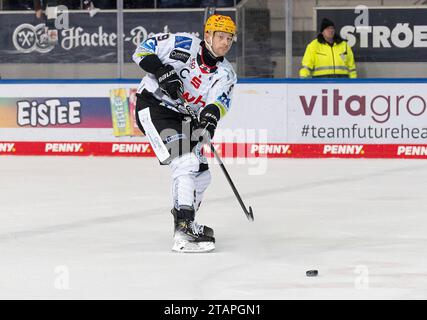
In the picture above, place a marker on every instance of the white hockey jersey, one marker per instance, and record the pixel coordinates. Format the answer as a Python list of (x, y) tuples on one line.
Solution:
[(201, 87)]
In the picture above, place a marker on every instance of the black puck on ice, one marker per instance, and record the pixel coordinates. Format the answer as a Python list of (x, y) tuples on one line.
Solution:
[(311, 273)]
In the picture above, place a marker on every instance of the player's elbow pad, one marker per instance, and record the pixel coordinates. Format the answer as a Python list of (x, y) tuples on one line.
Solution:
[(151, 63)]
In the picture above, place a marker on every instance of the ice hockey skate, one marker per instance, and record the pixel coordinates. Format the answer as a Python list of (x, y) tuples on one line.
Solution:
[(201, 229), (190, 236)]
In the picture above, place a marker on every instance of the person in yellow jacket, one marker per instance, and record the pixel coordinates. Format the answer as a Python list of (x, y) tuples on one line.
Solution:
[(328, 56)]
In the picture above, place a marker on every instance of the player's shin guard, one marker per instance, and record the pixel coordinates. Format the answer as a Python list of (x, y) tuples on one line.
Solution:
[(203, 179), (184, 169)]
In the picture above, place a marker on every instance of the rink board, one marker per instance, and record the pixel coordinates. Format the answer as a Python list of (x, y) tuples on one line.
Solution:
[(278, 118), (226, 150)]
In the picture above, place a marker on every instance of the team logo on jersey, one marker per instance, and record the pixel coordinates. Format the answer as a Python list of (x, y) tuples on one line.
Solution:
[(183, 42), (179, 55), (224, 100), (150, 44)]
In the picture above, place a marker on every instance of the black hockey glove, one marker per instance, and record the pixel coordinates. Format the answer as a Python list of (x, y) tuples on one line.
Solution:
[(169, 81), (209, 117)]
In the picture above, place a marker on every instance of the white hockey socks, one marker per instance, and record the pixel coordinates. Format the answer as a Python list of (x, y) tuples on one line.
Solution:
[(184, 171)]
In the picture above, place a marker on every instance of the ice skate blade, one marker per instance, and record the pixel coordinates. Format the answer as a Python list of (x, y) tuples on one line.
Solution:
[(193, 247)]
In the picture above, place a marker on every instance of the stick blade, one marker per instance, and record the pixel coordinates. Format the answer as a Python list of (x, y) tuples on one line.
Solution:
[(250, 214)]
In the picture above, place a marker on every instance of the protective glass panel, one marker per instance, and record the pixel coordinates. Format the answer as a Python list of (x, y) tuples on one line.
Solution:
[(78, 38), (58, 39), (388, 38)]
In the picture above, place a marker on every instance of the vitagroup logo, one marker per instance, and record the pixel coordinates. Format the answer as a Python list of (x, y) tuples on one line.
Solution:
[(130, 148), (379, 108), (343, 149), (63, 148), (412, 150), (7, 148)]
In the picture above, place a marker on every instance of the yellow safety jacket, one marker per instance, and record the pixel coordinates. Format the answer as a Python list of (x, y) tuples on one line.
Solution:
[(321, 60)]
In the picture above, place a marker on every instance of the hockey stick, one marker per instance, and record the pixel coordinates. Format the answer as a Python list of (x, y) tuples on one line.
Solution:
[(249, 213)]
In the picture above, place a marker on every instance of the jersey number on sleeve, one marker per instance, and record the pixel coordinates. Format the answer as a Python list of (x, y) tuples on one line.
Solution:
[(162, 37)]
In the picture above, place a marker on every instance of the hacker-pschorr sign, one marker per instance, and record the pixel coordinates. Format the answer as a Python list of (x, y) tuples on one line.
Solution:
[(27, 38), (87, 39), (381, 34)]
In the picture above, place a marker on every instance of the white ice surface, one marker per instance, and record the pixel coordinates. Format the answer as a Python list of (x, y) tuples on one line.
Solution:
[(101, 227)]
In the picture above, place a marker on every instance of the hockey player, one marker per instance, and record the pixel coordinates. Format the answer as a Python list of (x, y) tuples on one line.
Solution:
[(182, 65), (47, 11)]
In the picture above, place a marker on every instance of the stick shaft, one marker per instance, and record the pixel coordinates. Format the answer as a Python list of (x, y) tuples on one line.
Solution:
[(233, 187), (249, 213)]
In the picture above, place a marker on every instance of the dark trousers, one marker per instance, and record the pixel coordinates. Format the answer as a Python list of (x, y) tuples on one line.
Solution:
[(175, 129)]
